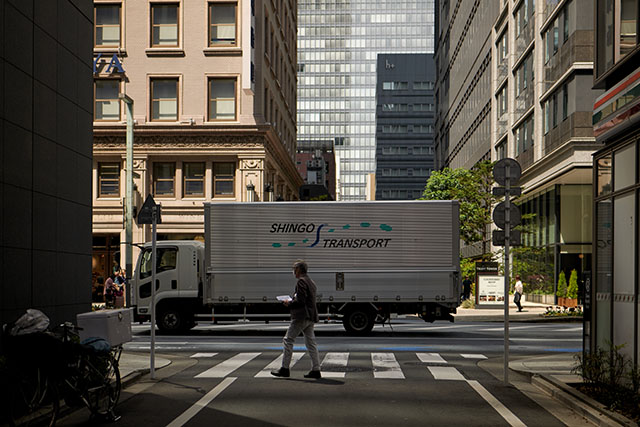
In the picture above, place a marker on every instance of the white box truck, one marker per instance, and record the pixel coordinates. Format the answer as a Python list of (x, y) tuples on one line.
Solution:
[(369, 260)]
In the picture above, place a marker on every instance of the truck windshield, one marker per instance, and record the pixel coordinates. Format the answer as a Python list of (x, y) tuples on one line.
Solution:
[(166, 260)]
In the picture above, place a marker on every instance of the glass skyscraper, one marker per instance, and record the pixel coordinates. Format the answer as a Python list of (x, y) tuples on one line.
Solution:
[(338, 44)]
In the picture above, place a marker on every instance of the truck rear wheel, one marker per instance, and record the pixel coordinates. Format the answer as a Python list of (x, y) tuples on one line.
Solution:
[(171, 321), (358, 321)]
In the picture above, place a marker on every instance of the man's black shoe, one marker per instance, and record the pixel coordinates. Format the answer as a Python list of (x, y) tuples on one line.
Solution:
[(313, 374), (282, 372)]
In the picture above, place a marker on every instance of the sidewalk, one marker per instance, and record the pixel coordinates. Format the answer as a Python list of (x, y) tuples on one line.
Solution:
[(531, 312), (133, 366)]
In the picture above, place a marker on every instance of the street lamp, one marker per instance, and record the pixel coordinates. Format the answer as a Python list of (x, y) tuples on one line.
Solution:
[(128, 221)]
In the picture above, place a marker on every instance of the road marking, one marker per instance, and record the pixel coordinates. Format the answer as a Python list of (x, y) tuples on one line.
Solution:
[(333, 363), (277, 363), (473, 356), (198, 355), (430, 358), (202, 403), (495, 403), (445, 373), (223, 369), (386, 366)]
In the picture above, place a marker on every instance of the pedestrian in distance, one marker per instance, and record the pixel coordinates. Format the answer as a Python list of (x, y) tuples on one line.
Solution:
[(304, 315), (466, 288), (517, 294)]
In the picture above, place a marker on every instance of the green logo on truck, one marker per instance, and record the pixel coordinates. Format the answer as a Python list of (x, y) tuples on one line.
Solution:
[(352, 242)]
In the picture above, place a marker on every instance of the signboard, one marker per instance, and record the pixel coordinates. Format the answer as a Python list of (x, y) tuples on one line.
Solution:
[(490, 290), (490, 284), (500, 171)]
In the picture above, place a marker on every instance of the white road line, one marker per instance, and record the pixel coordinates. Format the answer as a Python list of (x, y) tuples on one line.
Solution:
[(386, 366), (473, 356), (445, 373), (495, 403), (277, 363), (223, 369), (198, 355), (202, 403), (333, 363), (430, 358)]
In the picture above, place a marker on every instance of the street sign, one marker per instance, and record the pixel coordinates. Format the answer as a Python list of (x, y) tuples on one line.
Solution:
[(145, 216), (499, 238), (499, 215), (501, 191), (500, 171)]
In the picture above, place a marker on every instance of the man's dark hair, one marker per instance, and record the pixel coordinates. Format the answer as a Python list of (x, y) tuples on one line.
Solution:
[(301, 266)]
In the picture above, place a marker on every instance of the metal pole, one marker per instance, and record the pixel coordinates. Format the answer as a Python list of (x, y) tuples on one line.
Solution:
[(128, 209), (507, 241), (154, 222)]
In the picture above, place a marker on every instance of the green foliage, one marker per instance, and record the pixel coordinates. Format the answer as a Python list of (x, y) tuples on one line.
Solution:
[(572, 290), (468, 303), (562, 285), (611, 377), (467, 268), (472, 188)]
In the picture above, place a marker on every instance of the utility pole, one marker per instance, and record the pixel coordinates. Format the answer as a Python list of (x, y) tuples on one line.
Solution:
[(128, 208)]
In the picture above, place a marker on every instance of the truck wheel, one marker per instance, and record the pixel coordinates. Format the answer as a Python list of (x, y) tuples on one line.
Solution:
[(171, 321), (358, 321)]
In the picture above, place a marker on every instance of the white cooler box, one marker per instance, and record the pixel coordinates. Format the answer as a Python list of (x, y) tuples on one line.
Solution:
[(111, 325)]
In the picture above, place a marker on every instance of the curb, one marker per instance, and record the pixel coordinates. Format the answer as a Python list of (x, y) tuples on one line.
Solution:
[(578, 402), (518, 319)]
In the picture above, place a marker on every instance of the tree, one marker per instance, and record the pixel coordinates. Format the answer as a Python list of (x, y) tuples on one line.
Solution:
[(562, 285), (472, 188), (572, 290)]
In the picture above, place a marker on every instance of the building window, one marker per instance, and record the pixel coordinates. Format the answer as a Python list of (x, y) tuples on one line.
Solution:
[(422, 85), (395, 85), (565, 24), (565, 101), (224, 179), (554, 113), (501, 151), (555, 36), (193, 179), (164, 25), (222, 99), (107, 25), (394, 129), (547, 116), (108, 179), (502, 101), (503, 47), (628, 26), (107, 104), (222, 24), (164, 99), (524, 136), (396, 107), (164, 179)]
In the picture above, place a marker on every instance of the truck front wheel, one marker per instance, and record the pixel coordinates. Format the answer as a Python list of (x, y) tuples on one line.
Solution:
[(171, 321), (358, 321)]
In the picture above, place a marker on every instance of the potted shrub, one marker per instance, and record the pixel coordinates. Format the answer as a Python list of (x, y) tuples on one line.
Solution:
[(561, 293), (572, 290)]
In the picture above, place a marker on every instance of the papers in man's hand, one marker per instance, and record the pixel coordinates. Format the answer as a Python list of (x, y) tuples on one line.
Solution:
[(283, 298)]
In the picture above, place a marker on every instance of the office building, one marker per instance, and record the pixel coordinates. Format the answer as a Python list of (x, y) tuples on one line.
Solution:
[(45, 177), (528, 96), (214, 91), (338, 45), (616, 124), (405, 119)]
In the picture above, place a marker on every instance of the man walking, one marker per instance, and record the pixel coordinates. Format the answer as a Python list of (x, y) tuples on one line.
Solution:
[(517, 294), (304, 314)]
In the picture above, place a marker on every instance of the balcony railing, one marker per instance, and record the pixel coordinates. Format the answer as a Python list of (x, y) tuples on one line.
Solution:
[(576, 125), (577, 48)]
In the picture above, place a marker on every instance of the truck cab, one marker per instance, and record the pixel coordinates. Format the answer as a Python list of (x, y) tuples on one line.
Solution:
[(179, 281)]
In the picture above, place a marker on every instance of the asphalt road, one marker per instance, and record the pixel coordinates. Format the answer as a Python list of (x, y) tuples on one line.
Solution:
[(418, 375)]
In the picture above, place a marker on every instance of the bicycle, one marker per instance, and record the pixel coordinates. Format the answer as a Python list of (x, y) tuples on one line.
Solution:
[(91, 375), (78, 373)]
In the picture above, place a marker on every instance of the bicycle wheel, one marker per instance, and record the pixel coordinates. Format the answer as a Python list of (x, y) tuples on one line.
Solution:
[(34, 399), (105, 391)]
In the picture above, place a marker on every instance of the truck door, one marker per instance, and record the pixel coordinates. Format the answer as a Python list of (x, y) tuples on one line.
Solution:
[(166, 274)]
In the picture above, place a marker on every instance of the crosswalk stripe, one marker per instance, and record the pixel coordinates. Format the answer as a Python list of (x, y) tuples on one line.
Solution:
[(430, 358), (333, 363), (223, 369), (277, 363), (473, 356), (386, 366), (445, 373), (199, 355)]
